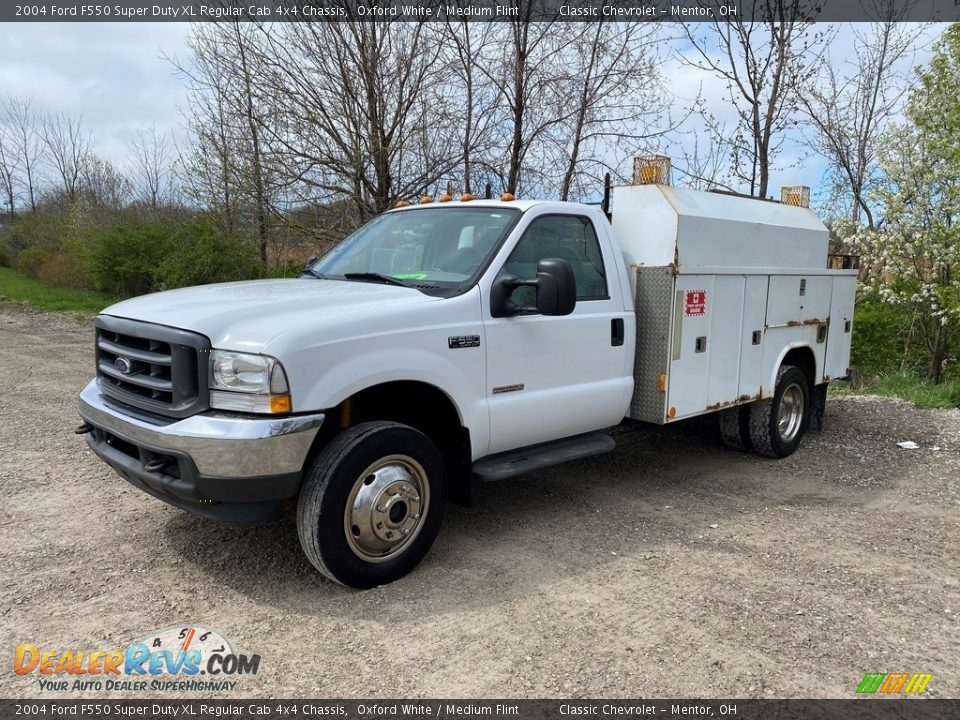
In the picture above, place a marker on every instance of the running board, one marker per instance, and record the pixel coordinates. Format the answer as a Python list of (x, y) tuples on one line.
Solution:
[(536, 457)]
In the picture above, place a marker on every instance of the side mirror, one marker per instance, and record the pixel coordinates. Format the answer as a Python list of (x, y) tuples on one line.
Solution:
[(310, 261), (555, 287)]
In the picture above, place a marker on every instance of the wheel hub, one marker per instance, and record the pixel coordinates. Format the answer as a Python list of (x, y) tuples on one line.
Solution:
[(386, 507), (790, 413)]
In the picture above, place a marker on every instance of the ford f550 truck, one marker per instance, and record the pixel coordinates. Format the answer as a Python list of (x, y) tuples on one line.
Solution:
[(449, 342)]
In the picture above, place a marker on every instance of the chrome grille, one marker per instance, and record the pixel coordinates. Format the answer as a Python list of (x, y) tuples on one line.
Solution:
[(159, 369)]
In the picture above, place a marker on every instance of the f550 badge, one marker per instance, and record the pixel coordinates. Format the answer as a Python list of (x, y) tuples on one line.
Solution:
[(174, 651)]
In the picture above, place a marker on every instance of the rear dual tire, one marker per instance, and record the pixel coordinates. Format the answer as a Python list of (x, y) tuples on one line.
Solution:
[(735, 427), (773, 427), (778, 424)]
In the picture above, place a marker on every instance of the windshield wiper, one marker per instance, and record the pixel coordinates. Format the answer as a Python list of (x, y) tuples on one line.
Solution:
[(313, 273), (375, 277)]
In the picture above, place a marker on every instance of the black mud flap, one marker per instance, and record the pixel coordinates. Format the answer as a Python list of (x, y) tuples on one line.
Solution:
[(818, 404)]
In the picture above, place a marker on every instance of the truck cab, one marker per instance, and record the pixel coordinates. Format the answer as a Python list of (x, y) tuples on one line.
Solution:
[(449, 342)]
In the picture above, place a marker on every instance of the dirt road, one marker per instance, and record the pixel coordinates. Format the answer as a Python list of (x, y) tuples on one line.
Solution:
[(670, 567)]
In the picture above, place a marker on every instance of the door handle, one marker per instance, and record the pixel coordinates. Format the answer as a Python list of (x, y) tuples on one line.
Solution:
[(616, 332)]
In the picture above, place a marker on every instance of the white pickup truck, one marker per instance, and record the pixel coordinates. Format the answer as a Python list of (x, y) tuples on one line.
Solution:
[(448, 342)]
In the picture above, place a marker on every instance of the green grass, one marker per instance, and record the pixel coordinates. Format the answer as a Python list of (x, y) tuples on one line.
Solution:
[(20, 288), (909, 387)]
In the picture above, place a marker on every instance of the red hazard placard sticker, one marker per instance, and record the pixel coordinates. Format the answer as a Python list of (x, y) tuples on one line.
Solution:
[(696, 303)]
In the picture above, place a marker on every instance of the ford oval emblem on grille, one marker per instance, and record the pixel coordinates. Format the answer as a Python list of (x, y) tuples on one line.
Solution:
[(123, 365)]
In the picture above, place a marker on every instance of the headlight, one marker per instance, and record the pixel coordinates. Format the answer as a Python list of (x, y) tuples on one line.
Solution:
[(248, 383)]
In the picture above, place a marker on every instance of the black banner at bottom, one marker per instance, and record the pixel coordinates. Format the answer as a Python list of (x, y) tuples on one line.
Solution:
[(867, 709)]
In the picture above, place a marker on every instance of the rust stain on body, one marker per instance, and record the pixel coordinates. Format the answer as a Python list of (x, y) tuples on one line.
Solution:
[(798, 323)]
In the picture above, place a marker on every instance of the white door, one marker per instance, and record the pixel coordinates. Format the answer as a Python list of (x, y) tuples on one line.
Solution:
[(550, 377)]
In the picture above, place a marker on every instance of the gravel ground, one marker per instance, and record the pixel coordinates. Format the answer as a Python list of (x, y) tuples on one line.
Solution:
[(669, 567)]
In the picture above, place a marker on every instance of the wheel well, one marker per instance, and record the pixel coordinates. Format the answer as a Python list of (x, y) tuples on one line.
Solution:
[(803, 358), (419, 405)]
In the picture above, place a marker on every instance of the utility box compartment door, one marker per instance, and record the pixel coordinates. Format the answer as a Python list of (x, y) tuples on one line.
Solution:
[(783, 300), (723, 343), (815, 302), (841, 326), (752, 336), (707, 332), (694, 304)]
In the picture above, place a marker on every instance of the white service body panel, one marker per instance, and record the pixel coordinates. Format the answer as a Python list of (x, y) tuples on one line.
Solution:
[(725, 288)]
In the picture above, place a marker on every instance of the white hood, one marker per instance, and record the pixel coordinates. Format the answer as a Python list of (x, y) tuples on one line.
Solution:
[(246, 315)]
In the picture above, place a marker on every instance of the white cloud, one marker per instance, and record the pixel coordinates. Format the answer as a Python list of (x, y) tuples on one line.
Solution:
[(113, 74)]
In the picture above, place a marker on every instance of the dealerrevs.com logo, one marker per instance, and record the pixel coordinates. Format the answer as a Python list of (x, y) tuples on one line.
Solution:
[(188, 658)]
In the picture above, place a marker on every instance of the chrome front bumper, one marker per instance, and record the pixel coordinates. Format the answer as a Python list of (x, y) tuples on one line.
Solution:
[(219, 465), (220, 444)]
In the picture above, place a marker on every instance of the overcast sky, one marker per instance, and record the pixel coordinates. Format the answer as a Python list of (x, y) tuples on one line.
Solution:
[(116, 76)]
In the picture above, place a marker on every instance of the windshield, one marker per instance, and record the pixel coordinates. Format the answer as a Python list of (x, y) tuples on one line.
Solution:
[(438, 247)]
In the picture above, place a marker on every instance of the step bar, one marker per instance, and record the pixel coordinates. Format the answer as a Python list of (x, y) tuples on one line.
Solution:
[(536, 457)]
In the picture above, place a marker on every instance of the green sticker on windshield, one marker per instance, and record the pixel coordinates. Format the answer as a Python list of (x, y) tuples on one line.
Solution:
[(411, 276)]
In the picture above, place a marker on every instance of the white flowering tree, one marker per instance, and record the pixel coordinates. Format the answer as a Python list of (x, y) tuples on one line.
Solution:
[(913, 256)]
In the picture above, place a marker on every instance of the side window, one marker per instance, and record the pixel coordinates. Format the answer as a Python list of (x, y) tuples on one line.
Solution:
[(570, 237)]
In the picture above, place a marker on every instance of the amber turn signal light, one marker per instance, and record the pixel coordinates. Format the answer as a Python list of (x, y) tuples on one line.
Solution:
[(280, 404)]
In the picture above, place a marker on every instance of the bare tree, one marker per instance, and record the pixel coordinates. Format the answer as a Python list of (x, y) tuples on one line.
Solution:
[(248, 107), (848, 109), (764, 55), (479, 102), (614, 97), (8, 169), (212, 169), (704, 164), (151, 161), (524, 69), (359, 113), (68, 147), (103, 185), (22, 125)]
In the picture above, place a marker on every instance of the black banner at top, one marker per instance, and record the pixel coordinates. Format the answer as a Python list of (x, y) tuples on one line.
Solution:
[(477, 10)]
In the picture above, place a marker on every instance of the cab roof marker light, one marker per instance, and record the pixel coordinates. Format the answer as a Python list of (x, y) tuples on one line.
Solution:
[(508, 196), (426, 199)]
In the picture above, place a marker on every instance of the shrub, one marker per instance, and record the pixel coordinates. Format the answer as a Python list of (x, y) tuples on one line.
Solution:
[(879, 336), (201, 253), (125, 260), (63, 270), (31, 259)]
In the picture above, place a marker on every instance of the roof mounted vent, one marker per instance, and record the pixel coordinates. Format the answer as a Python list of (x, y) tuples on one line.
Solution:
[(798, 195), (650, 169)]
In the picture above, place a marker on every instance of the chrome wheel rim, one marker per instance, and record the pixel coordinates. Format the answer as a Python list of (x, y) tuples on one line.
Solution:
[(386, 508), (790, 412)]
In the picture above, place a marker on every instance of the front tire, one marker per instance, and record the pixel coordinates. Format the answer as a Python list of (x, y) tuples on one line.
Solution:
[(777, 425), (372, 503)]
